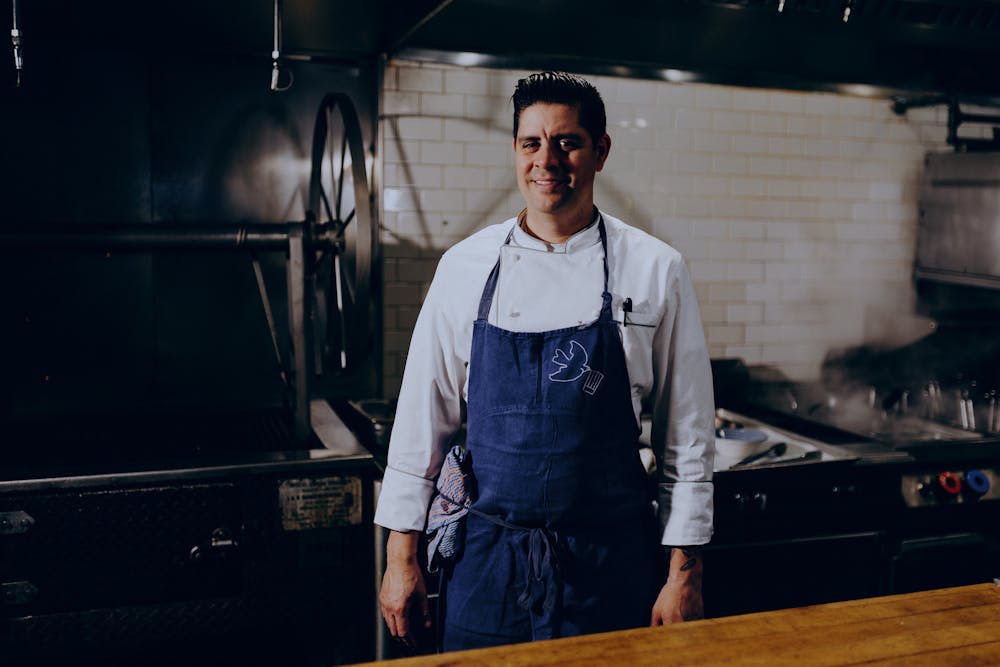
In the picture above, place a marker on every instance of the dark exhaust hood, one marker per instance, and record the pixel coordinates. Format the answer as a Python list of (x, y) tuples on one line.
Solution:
[(945, 46), (949, 47)]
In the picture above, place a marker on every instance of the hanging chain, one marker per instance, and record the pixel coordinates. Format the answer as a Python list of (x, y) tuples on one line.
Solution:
[(276, 51), (15, 39)]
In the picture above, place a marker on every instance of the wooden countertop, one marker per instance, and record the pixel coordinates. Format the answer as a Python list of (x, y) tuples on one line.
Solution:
[(953, 626)]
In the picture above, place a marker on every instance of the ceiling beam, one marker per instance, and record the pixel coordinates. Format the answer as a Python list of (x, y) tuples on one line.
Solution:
[(406, 18)]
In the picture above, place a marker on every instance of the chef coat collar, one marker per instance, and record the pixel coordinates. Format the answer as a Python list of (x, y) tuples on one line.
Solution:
[(584, 238)]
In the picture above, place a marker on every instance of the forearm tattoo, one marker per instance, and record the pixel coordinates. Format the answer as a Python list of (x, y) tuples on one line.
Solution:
[(693, 554)]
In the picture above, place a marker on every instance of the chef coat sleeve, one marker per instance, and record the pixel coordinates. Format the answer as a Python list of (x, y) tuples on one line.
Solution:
[(683, 417), (428, 412)]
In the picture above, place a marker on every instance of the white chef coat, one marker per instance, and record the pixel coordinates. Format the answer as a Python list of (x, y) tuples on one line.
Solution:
[(543, 287)]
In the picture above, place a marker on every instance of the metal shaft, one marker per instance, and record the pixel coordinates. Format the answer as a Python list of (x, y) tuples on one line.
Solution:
[(142, 236), (15, 39), (276, 48)]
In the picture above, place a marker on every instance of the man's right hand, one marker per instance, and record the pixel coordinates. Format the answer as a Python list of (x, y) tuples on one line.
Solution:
[(403, 596)]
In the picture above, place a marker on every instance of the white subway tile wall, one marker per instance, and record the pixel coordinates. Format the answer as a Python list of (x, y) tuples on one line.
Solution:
[(796, 212)]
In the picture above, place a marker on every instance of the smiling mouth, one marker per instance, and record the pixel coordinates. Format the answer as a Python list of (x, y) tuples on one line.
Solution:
[(549, 182)]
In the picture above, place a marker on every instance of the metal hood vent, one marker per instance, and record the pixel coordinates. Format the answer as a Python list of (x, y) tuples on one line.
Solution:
[(948, 47), (938, 14), (942, 46)]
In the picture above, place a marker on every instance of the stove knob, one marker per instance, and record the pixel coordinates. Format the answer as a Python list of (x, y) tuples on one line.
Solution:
[(976, 484), (949, 485), (741, 501), (760, 501)]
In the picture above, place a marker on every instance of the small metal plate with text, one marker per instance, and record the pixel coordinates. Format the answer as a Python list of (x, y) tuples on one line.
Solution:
[(320, 503)]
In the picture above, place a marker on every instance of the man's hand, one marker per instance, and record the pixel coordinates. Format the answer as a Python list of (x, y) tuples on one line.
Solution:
[(680, 598), (403, 596)]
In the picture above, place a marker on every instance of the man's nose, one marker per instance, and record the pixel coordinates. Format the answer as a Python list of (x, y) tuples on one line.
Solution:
[(547, 156)]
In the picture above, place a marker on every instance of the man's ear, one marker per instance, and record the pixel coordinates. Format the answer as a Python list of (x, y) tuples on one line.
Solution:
[(603, 148)]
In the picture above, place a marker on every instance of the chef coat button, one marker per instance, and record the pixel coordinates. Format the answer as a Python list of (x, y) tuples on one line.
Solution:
[(514, 313), (517, 258)]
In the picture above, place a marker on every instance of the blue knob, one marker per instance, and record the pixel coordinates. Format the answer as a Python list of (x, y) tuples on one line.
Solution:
[(977, 482)]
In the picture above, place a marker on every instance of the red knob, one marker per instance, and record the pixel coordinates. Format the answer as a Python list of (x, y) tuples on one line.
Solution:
[(950, 483)]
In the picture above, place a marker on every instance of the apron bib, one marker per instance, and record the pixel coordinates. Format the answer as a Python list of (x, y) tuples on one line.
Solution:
[(561, 539)]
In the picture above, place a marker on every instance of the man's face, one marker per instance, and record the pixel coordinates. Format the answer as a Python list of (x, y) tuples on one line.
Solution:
[(556, 160)]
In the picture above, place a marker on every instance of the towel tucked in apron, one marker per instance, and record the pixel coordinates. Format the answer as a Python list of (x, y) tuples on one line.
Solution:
[(450, 505)]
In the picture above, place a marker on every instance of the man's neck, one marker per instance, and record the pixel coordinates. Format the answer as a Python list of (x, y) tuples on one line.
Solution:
[(552, 229)]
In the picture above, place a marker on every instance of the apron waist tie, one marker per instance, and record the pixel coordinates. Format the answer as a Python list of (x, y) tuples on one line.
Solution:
[(544, 581), (543, 571)]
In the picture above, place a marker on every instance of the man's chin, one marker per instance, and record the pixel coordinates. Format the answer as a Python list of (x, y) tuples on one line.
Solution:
[(549, 205)]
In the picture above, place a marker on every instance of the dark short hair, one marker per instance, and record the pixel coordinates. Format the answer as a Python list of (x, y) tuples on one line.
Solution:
[(562, 88)]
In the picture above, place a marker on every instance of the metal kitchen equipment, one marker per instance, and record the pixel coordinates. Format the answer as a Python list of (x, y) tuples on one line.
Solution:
[(920, 506), (795, 532), (919, 509), (958, 241), (330, 256), (206, 534), (15, 39)]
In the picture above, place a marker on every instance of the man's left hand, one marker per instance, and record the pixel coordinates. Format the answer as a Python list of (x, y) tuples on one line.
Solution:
[(680, 598), (677, 603)]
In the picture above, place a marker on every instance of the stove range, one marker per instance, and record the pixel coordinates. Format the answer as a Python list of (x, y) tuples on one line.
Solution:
[(900, 500)]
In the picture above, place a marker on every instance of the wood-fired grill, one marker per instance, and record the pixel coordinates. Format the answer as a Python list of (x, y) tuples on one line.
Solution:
[(164, 531)]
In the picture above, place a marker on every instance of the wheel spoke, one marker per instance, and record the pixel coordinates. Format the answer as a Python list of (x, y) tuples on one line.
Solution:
[(326, 204), (339, 284), (349, 288), (340, 184), (330, 155)]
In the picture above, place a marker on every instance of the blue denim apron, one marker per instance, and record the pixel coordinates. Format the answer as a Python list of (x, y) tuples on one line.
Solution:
[(561, 539)]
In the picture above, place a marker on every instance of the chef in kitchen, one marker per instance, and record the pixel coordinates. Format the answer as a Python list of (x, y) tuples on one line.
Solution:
[(554, 327)]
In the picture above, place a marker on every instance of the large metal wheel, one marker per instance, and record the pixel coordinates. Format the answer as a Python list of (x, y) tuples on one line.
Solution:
[(340, 202)]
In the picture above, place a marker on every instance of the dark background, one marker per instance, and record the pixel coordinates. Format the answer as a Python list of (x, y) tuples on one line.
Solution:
[(155, 115)]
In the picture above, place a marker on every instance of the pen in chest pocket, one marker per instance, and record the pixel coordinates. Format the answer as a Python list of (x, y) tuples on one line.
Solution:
[(636, 318)]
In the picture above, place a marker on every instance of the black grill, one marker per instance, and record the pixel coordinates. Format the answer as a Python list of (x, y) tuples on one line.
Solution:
[(154, 539)]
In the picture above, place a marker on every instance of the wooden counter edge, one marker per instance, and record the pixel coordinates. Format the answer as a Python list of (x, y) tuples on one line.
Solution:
[(818, 616)]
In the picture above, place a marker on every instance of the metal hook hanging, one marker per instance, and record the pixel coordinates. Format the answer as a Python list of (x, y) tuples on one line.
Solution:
[(276, 51), (15, 38)]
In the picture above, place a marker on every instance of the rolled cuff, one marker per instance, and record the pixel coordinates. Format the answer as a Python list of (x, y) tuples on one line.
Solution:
[(403, 501), (685, 513)]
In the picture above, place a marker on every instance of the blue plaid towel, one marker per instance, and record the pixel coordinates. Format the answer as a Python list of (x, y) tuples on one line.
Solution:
[(455, 492)]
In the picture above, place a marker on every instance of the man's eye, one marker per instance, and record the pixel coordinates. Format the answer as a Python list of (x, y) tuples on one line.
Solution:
[(568, 144), (529, 145)]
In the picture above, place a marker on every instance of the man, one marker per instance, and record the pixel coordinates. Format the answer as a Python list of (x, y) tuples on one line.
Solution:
[(555, 326)]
